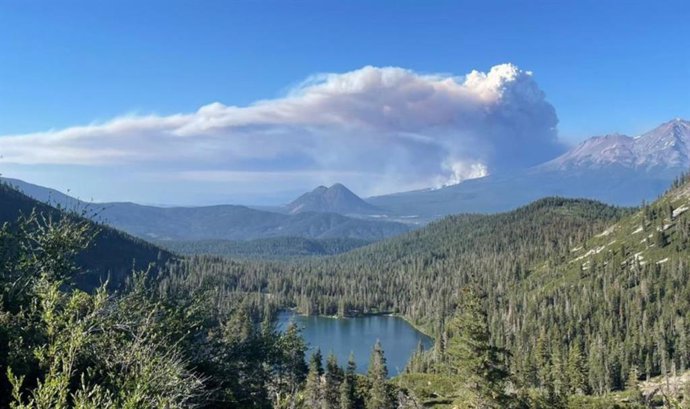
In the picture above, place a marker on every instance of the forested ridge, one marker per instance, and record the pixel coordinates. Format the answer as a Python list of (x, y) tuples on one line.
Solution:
[(416, 274), (111, 255), (279, 248)]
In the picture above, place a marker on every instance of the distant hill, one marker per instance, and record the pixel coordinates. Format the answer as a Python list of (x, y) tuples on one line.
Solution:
[(230, 222), (278, 248), (615, 169), (222, 222), (113, 254), (334, 199), (657, 234)]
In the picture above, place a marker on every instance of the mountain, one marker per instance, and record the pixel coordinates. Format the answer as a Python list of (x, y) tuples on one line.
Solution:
[(666, 147), (615, 169), (222, 222), (334, 199), (112, 255)]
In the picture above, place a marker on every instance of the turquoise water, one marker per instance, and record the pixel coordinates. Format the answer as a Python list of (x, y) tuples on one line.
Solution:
[(342, 336)]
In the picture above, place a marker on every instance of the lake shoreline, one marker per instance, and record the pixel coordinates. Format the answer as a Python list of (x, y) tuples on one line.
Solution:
[(367, 314)]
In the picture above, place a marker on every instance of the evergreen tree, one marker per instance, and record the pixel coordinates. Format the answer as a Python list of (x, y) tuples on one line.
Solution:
[(291, 369), (557, 375), (346, 391), (333, 380), (472, 358), (660, 238), (576, 372), (314, 390), (418, 360), (348, 400), (543, 362), (632, 385), (379, 394)]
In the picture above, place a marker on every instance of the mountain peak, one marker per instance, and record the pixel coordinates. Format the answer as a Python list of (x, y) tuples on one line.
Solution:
[(334, 199), (676, 126), (665, 147)]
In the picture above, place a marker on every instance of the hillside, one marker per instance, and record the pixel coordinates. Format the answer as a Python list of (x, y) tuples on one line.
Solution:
[(278, 248), (613, 315), (112, 254), (630, 282)]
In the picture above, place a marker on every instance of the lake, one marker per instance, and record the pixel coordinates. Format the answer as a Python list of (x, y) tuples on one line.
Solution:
[(358, 335)]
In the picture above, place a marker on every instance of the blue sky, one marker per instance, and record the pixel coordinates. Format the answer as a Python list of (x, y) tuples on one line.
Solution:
[(604, 66)]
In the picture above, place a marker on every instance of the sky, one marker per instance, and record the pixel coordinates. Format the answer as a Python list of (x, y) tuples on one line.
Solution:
[(187, 102)]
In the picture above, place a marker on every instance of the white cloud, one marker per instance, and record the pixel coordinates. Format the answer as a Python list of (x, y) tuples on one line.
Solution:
[(411, 129)]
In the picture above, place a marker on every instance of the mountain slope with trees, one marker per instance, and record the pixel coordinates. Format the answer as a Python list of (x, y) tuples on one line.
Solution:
[(265, 249), (112, 255)]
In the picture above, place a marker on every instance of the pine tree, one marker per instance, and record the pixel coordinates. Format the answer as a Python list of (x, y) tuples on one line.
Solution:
[(576, 372), (334, 377), (556, 376), (471, 356), (291, 370), (314, 392), (632, 385), (543, 361), (348, 399), (417, 362), (379, 395)]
